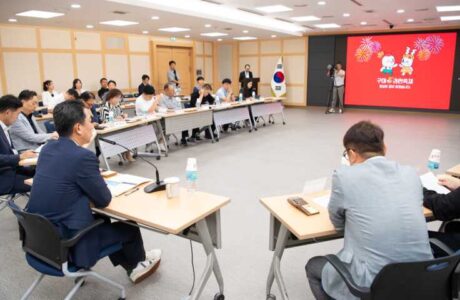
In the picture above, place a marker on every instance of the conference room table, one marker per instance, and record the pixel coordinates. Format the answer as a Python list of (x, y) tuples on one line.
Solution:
[(137, 133), (269, 106), (193, 215), (289, 228), (454, 171)]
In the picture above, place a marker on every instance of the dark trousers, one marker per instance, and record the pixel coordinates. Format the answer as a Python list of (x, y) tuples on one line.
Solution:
[(196, 131), (108, 234), (22, 173), (450, 237), (314, 269)]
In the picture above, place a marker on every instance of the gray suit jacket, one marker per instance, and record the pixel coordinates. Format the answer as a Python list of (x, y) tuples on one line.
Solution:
[(23, 135), (379, 205)]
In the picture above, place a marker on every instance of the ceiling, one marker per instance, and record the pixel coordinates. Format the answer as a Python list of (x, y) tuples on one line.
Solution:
[(378, 15)]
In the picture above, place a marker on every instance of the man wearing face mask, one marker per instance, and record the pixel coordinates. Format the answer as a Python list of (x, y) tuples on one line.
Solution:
[(378, 205)]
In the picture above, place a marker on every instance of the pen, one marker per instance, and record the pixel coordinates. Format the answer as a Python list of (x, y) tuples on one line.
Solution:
[(131, 191)]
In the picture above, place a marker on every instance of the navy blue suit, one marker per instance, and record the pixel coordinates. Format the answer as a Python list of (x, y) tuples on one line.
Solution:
[(67, 177), (11, 175)]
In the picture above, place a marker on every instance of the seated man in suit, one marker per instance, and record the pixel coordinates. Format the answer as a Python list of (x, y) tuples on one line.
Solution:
[(25, 132), (199, 84), (378, 203), (11, 175), (198, 98), (67, 180), (445, 207)]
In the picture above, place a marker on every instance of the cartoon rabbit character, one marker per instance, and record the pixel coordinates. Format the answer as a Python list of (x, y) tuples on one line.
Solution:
[(388, 63), (407, 61)]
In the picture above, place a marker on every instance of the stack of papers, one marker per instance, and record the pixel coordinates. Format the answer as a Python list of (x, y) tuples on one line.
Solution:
[(121, 183), (323, 200), (430, 182)]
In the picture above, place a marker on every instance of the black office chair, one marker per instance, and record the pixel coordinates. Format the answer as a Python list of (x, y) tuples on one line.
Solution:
[(434, 279), (47, 253)]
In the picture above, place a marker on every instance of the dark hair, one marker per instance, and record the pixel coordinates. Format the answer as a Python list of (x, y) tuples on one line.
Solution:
[(166, 86), (149, 90), (74, 83), (73, 93), (172, 62), (199, 78), (247, 83), (87, 96), (247, 65), (9, 102), (365, 137), (102, 79), (46, 83), (207, 86), (145, 76), (26, 95), (66, 114), (226, 80), (112, 94), (112, 81)]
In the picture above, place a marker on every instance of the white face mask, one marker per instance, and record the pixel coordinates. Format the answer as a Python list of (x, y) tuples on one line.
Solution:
[(345, 161)]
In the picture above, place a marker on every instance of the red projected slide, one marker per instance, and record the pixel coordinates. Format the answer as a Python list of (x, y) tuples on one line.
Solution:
[(400, 70)]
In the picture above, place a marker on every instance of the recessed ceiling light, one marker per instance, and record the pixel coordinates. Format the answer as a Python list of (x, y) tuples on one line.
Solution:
[(75, 5), (12, 20), (410, 20), (207, 25), (155, 18), (245, 38), (305, 18), (89, 26), (273, 8), (119, 23), (174, 29), (363, 23), (213, 34), (321, 2), (187, 36), (400, 11), (346, 15), (245, 31), (219, 40), (273, 35), (448, 8), (450, 18), (327, 25), (145, 32), (39, 14)]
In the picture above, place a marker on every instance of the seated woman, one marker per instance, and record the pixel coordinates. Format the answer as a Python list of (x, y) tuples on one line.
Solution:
[(247, 90), (445, 207), (78, 86), (112, 111), (48, 93)]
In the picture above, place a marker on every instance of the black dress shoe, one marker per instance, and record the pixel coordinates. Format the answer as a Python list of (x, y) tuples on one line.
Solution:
[(183, 142), (198, 138)]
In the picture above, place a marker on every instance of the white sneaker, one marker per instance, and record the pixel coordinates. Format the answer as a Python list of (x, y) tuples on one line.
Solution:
[(153, 255), (144, 269), (162, 147)]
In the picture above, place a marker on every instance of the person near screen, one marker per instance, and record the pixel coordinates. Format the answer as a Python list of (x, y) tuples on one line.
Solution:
[(78, 86), (245, 74), (445, 207), (145, 82), (12, 176), (25, 133), (68, 181), (172, 75), (338, 88), (104, 87), (377, 203)]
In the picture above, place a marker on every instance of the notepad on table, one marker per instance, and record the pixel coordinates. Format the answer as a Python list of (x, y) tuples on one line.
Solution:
[(121, 183)]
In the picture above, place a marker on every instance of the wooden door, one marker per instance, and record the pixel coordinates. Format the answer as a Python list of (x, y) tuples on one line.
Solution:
[(183, 59)]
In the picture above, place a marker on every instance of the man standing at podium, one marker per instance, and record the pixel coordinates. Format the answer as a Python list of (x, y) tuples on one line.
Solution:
[(246, 74)]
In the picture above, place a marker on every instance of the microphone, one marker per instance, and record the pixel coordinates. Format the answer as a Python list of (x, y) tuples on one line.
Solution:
[(329, 66), (158, 185)]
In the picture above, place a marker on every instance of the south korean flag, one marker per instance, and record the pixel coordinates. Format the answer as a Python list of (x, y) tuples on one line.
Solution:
[(278, 80)]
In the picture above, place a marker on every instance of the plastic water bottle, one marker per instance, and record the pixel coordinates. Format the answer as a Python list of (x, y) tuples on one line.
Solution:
[(110, 116), (191, 174), (217, 100), (241, 97), (253, 95), (434, 160)]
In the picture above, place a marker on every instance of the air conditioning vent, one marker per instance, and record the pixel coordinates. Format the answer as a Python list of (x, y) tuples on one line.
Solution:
[(119, 12)]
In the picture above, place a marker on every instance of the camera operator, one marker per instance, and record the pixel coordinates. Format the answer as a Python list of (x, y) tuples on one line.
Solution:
[(338, 89)]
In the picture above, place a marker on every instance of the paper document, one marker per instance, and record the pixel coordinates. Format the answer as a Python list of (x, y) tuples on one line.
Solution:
[(323, 200), (121, 183), (39, 149), (314, 186), (430, 182)]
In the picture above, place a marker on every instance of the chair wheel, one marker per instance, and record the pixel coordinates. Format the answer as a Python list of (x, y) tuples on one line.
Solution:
[(284, 123), (158, 157), (255, 129), (250, 130), (271, 297), (217, 140), (219, 296), (120, 163)]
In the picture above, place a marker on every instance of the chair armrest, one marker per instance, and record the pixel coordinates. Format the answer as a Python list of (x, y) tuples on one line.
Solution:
[(358, 291), (442, 246), (72, 241)]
